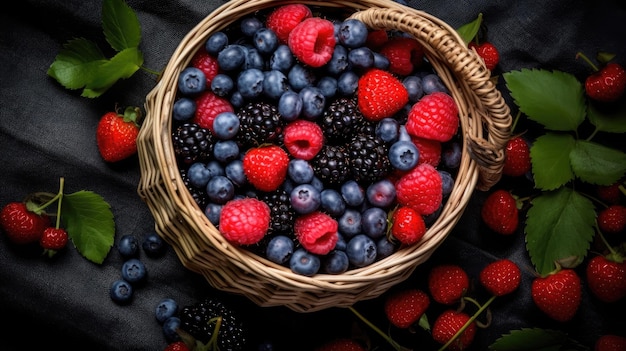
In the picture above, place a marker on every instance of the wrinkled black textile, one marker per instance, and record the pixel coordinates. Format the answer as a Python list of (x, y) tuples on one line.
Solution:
[(47, 132)]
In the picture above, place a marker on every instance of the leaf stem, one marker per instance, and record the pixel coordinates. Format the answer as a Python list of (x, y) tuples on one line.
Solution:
[(392, 342), (469, 321), (151, 71), (586, 59)]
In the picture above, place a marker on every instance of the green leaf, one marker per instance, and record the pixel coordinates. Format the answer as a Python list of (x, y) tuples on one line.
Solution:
[(530, 339), (559, 225), (597, 164), (123, 65), (469, 30), (613, 121), (554, 99), (550, 158), (76, 63), (89, 223), (120, 24)]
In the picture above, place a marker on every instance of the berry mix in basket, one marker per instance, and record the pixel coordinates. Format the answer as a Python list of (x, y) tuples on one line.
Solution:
[(314, 142)]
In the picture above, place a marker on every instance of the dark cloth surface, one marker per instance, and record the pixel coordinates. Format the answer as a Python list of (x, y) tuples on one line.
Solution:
[(48, 132)]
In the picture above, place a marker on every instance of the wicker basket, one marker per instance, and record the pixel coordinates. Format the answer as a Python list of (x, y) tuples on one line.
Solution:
[(485, 124)]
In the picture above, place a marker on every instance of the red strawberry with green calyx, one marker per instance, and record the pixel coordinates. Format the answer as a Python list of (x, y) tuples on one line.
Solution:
[(21, 224), (488, 52), (558, 294), (607, 83), (380, 94), (404, 308), (606, 277), (500, 212), (116, 134)]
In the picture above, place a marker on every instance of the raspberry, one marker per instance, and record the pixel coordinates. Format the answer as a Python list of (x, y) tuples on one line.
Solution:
[(376, 39), (312, 41), (207, 64), (612, 219), (420, 189), (317, 232), (303, 139), (208, 106), (407, 225), (284, 19), (435, 117), (380, 94), (244, 221), (429, 150), (404, 54)]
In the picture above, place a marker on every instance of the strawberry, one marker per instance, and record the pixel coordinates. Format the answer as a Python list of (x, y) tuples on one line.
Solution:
[(208, 106), (407, 226), (283, 19), (303, 139), (429, 150), (404, 55), (421, 189), (606, 277), (517, 157), (448, 324), (341, 344), (177, 346), (447, 283), (488, 53), (376, 39), (610, 342), (207, 64), (500, 277), (266, 167), (21, 225), (317, 232), (500, 212), (558, 294), (244, 221), (53, 240), (612, 219), (116, 135), (380, 94), (404, 308), (312, 41), (607, 84), (610, 194), (435, 116)]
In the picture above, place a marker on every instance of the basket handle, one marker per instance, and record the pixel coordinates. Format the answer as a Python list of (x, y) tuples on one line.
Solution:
[(444, 43)]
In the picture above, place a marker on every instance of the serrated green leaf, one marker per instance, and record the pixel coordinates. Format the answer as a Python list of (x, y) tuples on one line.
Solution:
[(597, 164), (469, 30), (76, 63), (554, 99), (559, 224), (120, 24), (89, 223), (121, 66), (613, 121), (530, 339), (550, 159)]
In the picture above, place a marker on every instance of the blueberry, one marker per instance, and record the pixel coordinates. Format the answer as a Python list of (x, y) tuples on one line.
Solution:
[(236, 99), (431, 218), (198, 174), (432, 83), (184, 109), (220, 189), (290, 106), (275, 84), (317, 183), (387, 129), (352, 33), (300, 77), (413, 85), (305, 198), (213, 211), (374, 222), (328, 86), (170, 329), (338, 62), (250, 83), (226, 125), (332, 202), (381, 193), (352, 193), (121, 292), (336, 262), (165, 309), (279, 249), (361, 250), (384, 248), (447, 182), (313, 102), (451, 155), (403, 155), (250, 25), (134, 271), (153, 245), (361, 57), (304, 263), (234, 172), (349, 224), (191, 81), (222, 85), (254, 59), (215, 168), (347, 83), (225, 150), (381, 61), (403, 135), (216, 43), (341, 242), (265, 40), (128, 246), (232, 57), (282, 59), (300, 171)]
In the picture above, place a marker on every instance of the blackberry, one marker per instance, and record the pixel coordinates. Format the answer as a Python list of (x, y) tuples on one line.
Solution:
[(282, 213), (199, 195), (369, 160), (199, 320), (259, 123), (341, 119), (331, 165), (192, 143)]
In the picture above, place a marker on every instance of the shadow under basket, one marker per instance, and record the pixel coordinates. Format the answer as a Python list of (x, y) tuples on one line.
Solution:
[(485, 124)]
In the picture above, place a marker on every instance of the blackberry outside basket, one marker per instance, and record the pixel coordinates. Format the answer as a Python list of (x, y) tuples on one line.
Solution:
[(485, 124)]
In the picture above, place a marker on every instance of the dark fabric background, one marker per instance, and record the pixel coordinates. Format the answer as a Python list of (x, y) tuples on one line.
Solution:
[(47, 132)]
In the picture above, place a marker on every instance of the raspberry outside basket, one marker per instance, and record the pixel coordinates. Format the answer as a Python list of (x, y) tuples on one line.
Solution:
[(485, 124)]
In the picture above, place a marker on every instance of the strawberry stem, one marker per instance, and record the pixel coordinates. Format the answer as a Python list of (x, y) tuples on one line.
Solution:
[(469, 321), (60, 197), (392, 342), (586, 59)]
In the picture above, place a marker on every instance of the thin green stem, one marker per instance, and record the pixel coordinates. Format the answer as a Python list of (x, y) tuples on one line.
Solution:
[(377, 330), (60, 197), (469, 321), (586, 59), (151, 71)]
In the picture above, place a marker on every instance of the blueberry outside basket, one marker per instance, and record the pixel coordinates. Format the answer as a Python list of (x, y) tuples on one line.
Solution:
[(485, 123)]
